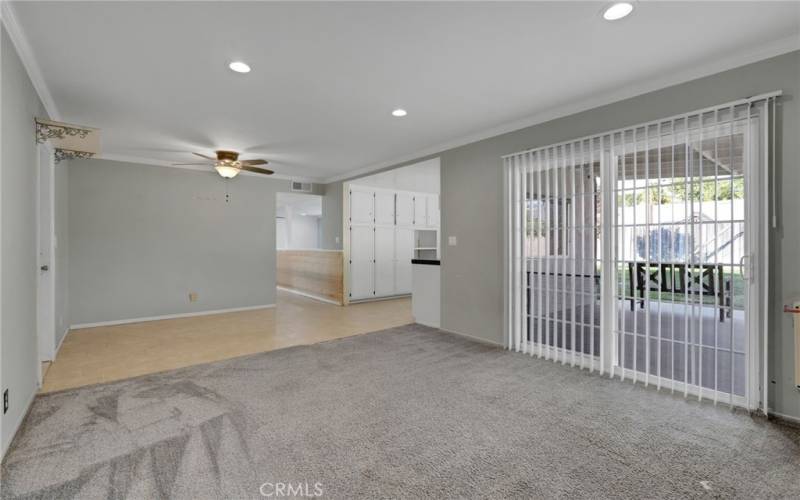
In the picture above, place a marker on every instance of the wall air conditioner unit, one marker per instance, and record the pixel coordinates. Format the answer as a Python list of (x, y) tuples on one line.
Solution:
[(302, 187)]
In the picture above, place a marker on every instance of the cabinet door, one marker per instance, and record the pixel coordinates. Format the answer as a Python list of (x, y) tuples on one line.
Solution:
[(404, 252), (384, 261), (404, 209), (402, 284), (384, 208), (362, 245), (420, 213), (361, 206), (433, 210)]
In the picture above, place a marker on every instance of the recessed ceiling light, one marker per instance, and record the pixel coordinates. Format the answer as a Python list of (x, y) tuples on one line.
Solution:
[(399, 112), (617, 11), (239, 67)]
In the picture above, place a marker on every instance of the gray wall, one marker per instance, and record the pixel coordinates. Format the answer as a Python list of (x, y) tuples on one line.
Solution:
[(18, 344), (143, 237), (472, 297), (331, 220)]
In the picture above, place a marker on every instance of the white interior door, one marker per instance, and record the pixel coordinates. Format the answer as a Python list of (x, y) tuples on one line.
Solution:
[(384, 261), (404, 208), (362, 206), (404, 252), (362, 244), (420, 210), (384, 208), (45, 304)]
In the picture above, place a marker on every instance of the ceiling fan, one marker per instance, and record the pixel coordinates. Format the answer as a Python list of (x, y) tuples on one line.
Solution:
[(228, 164)]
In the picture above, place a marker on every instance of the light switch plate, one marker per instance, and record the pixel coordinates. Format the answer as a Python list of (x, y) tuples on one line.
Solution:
[(452, 241)]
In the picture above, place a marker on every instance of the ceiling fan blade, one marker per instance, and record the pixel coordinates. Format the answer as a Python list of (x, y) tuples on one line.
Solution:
[(254, 162), (195, 163), (204, 156), (258, 170)]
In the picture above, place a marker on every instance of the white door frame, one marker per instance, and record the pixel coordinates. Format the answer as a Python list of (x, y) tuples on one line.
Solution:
[(45, 255)]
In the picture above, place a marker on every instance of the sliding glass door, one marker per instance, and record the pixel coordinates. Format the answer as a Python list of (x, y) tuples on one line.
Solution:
[(636, 252), (680, 226)]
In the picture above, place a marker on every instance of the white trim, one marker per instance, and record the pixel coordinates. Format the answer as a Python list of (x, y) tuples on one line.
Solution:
[(308, 250), (782, 416), (25, 52), (309, 295), (22, 417), (168, 316), (378, 299), (472, 337), (60, 343), (766, 51)]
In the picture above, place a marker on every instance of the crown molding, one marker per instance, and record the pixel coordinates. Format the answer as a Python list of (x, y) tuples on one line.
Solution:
[(198, 168), (707, 68), (25, 52)]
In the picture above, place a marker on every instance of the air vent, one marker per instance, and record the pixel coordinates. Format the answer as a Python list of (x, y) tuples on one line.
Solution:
[(302, 187)]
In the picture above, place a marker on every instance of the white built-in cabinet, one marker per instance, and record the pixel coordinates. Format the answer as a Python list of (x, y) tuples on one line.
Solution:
[(382, 240)]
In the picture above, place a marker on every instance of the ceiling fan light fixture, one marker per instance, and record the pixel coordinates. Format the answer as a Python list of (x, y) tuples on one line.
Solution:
[(227, 171)]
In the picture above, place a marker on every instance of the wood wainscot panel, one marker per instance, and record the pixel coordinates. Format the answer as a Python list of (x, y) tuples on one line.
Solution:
[(315, 272)]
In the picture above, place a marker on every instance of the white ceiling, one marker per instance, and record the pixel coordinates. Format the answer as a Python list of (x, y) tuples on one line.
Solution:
[(153, 75)]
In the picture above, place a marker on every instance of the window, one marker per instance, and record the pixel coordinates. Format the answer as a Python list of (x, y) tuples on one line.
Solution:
[(549, 227)]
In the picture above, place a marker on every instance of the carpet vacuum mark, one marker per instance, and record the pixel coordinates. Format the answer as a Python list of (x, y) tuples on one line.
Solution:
[(405, 412)]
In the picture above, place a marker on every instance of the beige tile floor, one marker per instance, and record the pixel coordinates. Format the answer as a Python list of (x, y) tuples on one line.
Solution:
[(104, 354)]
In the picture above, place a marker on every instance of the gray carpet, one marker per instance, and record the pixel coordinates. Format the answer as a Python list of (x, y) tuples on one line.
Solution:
[(409, 412)]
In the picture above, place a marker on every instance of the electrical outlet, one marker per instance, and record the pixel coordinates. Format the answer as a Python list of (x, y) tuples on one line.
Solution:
[(5, 401), (192, 296)]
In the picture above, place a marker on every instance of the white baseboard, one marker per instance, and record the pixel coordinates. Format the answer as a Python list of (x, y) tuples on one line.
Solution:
[(60, 343), (438, 327), (168, 316), (781, 416), (472, 337), (18, 423), (377, 299), (309, 295)]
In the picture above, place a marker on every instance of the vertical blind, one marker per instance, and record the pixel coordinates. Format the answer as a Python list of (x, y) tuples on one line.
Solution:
[(633, 252)]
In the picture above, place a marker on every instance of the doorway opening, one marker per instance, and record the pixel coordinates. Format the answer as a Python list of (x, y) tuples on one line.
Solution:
[(303, 266)]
